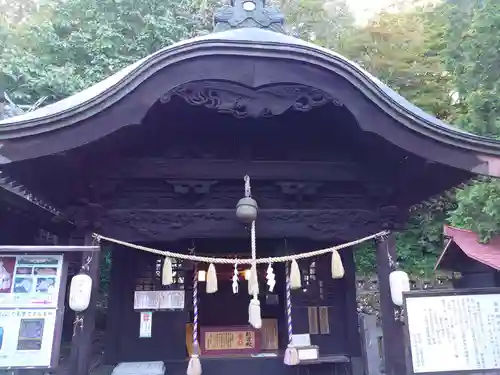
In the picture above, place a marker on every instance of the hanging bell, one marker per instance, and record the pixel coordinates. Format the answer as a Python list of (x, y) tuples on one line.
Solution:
[(246, 210)]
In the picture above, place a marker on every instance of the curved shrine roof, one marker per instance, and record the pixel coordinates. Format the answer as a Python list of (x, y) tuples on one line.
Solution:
[(239, 42), (468, 242)]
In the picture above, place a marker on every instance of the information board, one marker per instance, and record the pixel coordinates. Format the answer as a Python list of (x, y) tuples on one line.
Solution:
[(458, 332), (28, 281), (29, 309), (26, 337)]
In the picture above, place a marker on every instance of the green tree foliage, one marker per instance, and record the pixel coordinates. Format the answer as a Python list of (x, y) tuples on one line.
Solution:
[(17, 12), (419, 245), (70, 44), (403, 50), (473, 58), (326, 23), (478, 208), (464, 35)]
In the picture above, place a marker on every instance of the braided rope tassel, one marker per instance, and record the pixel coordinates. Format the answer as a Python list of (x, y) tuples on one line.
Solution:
[(254, 279), (289, 306), (291, 353), (254, 315), (194, 366), (195, 310)]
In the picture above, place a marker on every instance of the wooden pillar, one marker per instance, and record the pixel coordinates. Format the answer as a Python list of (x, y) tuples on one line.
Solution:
[(393, 340), (81, 344), (353, 336), (114, 318)]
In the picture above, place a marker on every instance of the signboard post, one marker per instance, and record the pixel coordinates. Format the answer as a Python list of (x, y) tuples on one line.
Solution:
[(453, 331), (31, 310)]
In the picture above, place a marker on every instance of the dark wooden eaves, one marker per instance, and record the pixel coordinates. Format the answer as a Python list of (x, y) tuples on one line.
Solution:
[(16, 196)]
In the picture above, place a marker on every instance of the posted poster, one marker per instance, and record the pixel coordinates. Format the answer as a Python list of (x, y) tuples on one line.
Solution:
[(28, 281), (146, 324), (159, 300), (26, 337)]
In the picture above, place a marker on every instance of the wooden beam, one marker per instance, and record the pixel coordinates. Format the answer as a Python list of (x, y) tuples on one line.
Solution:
[(55, 249), (170, 225), (201, 169), (393, 333)]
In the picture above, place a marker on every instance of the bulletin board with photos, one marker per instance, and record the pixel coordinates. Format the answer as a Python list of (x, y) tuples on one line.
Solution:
[(32, 309)]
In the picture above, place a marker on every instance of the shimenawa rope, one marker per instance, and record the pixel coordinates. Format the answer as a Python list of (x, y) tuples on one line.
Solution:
[(204, 259)]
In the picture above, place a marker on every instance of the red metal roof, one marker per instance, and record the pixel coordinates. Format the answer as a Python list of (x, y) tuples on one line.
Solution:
[(468, 242)]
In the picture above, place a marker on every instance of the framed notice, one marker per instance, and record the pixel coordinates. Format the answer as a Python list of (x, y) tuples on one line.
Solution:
[(27, 337), (172, 300), (159, 300), (28, 281), (146, 300), (453, 331)]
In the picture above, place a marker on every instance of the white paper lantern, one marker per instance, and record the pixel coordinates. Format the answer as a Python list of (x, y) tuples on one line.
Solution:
[(399, 283), (80, 292)]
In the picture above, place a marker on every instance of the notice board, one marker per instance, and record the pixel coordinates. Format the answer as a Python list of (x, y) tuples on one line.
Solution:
[(453, 331), (31, 309)]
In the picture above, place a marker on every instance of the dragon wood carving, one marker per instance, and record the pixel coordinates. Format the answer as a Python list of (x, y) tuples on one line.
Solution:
[(242, 102)]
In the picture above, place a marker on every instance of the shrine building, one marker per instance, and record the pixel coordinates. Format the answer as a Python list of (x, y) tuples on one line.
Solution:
[(155, 156)]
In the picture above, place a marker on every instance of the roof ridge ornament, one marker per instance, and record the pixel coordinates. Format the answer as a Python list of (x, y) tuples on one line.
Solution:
[(248, 13)]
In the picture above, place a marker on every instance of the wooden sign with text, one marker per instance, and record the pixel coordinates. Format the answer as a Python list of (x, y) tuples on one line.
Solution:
[(230, 340)]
